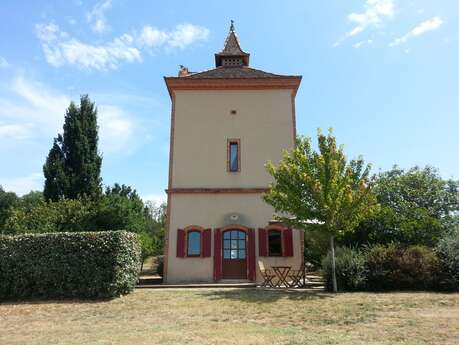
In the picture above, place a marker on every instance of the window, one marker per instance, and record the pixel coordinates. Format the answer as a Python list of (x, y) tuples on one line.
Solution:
[(234, 244), (193, 241), (275, 243), (234, 155)]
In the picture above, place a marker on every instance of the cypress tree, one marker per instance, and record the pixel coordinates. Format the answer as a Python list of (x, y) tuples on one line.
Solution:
[(54, 171), (72, 168)]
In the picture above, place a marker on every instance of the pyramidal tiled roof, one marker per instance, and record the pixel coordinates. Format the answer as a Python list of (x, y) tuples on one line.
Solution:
[(231, 51), (232, 72), (232, 46)]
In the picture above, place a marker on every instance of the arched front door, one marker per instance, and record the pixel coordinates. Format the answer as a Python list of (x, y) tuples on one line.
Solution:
[(234, 246)]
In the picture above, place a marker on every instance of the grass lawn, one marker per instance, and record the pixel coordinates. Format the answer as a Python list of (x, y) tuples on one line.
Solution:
[(236, 316)]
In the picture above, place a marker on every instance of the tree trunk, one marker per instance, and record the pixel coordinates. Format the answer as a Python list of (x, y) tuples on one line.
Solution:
[(332, 248)]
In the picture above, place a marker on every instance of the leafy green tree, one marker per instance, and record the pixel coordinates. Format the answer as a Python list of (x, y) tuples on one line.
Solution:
[(8, 200), (64, 215), (72, 168), (155, 225), (417, 208), (120, 208), (322, 188), (31, 199), (54, 171)]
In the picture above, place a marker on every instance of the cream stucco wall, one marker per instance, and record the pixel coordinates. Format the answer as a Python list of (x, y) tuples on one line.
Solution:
[(211, 211), (203, 124)]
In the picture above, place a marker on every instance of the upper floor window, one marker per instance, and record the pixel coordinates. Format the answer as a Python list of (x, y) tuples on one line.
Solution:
[(274, 243), (193, 243), (234, 155)]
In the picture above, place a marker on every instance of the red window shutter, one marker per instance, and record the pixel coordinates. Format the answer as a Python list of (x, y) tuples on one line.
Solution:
[(217, 255), (251, 255), (206, 243), (288, 242), (262, 242), (180, 243)]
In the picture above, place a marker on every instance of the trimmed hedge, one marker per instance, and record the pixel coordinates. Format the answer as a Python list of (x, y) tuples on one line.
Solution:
[(66, 265)]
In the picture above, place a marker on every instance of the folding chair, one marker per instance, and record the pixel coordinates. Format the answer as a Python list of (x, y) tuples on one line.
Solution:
[(266, 274), (298, 277)]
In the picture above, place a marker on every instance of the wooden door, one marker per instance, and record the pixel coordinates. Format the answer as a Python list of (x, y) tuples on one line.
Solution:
[(234, 246)]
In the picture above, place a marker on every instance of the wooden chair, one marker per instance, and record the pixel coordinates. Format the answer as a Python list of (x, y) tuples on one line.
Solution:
[(298, 277), (266, 274)]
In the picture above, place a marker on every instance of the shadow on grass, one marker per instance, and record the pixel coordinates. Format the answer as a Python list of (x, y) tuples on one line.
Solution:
[(55, 300), (260, 295)]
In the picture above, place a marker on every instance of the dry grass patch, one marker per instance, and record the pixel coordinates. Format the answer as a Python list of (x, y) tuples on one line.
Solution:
[(237, 316)]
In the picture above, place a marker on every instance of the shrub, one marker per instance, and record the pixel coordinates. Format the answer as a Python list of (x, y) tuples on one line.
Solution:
[(447, 251), (350, 269), (147, 246), (62, 265), (160, 265), (60, 216), (394, 268)]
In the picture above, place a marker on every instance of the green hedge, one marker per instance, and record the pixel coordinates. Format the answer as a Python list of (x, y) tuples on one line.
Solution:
[(64, 265)]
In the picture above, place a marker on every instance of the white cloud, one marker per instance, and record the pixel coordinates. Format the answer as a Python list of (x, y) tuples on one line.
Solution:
[(375, 13), (61, 49), (362, 43), (424, 27), (152, 37), (15, 131), (3, 62), (30, 109), (156, 199), (37, 111), (96, 17), (24, 184), (186, 34), (182, 36), (116, 129)]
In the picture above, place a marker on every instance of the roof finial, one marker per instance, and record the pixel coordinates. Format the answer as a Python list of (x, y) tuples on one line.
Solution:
[(232, 25)]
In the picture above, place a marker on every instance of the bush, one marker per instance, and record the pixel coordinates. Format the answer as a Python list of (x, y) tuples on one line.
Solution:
[(60, 216), (350, 269), (160, 265), (147, 246), (62, 265), (394, 268), (447, 251)]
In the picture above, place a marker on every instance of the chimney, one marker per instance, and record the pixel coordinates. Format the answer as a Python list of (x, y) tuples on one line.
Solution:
[(183, 72)]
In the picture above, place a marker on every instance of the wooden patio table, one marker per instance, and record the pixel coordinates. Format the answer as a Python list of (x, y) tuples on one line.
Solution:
[(282, 274)]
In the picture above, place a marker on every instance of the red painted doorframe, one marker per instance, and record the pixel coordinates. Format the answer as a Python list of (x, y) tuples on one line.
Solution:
[(218, 250)]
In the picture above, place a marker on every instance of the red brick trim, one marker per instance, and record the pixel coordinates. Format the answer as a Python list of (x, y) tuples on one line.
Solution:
[(287, 82), (294, 119), (228, 154), (169, 196), (275, 227), (193, 228), (235, 227), (216, 190)]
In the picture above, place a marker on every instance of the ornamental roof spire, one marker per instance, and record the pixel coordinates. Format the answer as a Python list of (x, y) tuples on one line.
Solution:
[(232, 54)]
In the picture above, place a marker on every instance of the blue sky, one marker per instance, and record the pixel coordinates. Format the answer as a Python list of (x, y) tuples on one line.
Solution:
[(383, 73)]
